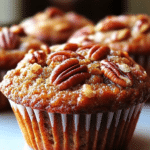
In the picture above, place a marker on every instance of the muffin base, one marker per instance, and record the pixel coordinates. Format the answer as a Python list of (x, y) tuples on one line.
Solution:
[(104, 131)]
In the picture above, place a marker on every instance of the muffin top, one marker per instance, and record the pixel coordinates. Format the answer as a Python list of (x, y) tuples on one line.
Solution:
[(13, 46), (53, 25), (69, 78), (130, 33)]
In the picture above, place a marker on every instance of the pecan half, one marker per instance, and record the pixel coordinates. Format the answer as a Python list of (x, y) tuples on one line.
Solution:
[(71, 46), (36, 57), (53, 12), (68, 74), (8, 40), (98, 52), (121, 35), (63, 55), (17, 29), (110, 24), (115, 74)]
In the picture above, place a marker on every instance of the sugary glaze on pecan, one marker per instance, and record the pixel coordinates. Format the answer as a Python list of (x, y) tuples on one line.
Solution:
[(74, 85), (53, 25), (14, 45), (130, 33)]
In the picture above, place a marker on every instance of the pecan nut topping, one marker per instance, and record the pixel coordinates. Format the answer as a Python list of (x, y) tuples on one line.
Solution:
[(68, 74), (121, 35), (71, 46), (36, 57), (8, 40), (98, 52), (115, 74), (53, 12), (63, 55), (108, 24)]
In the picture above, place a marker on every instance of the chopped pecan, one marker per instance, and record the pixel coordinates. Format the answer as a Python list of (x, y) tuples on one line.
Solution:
[(68, 74), (121, 35), (45, 48), (8, 40), (98, 52), (139, 72), (63, 55), (36, 57), (115, 74)]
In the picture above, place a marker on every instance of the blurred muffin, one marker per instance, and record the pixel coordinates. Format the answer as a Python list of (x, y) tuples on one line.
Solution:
[(130, 33), (77, 97), (13, 47), (53, 25)]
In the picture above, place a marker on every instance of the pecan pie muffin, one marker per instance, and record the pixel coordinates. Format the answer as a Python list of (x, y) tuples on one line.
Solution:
[(13, 47), (130, 33), (77, 97), (53, 25)]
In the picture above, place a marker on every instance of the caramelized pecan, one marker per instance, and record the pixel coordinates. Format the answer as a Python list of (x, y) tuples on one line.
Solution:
[(142, 26), (17, 29), (45, 48), (8, 40), (71, 46), (110, 24), (121, 35), (63, 55), (53, 12), (115, 74), (68, 74), (139, 72), (98, 52), (36, 57)]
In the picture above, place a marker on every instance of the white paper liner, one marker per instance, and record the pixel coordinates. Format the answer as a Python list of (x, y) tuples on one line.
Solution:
[(77, 131)]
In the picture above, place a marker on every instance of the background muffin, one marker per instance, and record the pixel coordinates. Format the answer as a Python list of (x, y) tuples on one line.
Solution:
[(130, 33), (13, 47), (79, 97), (53, 25)]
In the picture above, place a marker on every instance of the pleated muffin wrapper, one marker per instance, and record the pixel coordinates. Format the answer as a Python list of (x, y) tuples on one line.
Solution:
[(4, 103), (54, 131)]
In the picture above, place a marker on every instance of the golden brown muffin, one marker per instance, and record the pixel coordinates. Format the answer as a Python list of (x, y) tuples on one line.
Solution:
[(77, 97), (130, 33), (13, 47), (53, 25)]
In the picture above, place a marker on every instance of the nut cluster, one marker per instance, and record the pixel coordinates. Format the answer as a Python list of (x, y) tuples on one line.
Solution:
[(68, 74), (74, 67)]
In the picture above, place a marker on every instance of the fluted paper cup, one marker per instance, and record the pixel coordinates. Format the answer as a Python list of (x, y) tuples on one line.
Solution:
[(4, 103), (100, 131)]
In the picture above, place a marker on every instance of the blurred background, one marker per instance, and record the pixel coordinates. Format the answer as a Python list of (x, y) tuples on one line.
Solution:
[(13, 11)]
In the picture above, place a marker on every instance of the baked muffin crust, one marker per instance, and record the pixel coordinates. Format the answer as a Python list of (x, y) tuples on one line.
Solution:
[(14, 45), (90, 79), (53, 25), (130, 33)]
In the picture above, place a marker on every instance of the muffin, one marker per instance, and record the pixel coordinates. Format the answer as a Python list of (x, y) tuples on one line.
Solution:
[(53, 25), (130, 33), (13, 47), (77, 97)]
